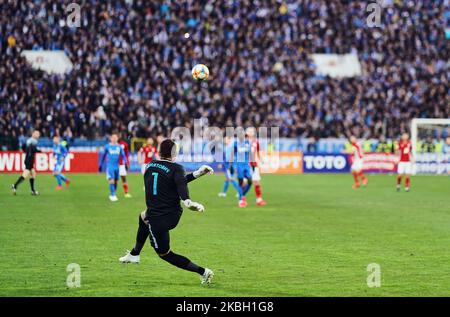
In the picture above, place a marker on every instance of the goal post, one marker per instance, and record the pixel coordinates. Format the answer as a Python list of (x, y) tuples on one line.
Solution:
[(417, 123)]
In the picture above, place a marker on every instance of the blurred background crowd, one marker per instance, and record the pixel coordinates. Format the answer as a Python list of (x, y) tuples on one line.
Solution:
[(132, 63)]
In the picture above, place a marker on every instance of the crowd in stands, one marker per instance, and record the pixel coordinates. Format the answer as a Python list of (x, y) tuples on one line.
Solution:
[(132, 62)]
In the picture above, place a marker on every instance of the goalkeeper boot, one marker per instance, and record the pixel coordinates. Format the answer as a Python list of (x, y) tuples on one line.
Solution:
[(128, 258), (207, 276)]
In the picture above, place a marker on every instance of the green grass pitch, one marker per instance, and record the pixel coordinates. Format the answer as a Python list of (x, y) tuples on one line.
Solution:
[(315, 237)]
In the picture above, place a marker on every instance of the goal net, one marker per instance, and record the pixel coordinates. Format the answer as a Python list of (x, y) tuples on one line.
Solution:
[(430, 140)]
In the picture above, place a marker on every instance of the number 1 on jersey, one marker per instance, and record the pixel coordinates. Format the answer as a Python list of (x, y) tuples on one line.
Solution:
[(155, 183)]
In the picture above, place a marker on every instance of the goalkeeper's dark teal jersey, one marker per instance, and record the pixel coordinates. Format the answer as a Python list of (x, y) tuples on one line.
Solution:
[(165, 184)]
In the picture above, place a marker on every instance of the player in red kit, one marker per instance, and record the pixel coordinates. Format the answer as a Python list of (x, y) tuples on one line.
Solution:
[(404, 166), (357, 159), (123, 168), (147, 153), (255, 156)]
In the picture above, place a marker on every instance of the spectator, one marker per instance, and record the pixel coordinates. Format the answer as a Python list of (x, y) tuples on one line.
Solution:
[(132, 67)]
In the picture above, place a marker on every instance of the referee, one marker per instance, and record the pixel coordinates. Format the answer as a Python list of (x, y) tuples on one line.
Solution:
[(30, 149), (165, 184)]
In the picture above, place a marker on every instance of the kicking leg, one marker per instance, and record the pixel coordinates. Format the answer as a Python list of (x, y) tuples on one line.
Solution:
[(186, 264), (182, 262), (160, 241)]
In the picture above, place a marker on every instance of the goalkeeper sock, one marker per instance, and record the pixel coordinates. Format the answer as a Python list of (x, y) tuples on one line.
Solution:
[(182, 262), (141, 237)]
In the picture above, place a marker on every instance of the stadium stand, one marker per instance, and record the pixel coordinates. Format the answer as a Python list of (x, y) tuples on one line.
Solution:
[(132, 67)]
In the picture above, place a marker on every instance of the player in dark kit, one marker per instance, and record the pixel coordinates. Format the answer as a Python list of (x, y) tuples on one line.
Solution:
[(165, 184), (30, 149)]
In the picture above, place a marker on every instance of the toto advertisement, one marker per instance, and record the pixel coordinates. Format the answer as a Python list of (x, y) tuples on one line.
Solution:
[(325, 163)]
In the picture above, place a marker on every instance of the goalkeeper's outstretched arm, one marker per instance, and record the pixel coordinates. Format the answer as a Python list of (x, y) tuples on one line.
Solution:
[(183, 191), (203, 170)]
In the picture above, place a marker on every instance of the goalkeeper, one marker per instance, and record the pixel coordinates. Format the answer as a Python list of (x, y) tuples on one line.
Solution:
[(165, 184)]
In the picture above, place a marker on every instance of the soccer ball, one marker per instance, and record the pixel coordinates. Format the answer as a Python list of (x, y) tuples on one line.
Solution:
[(200, 72)]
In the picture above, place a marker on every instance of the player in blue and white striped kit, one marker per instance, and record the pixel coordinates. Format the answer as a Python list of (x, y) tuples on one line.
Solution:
[(59, 153), (228, 169), (240, 155), (113, 151)]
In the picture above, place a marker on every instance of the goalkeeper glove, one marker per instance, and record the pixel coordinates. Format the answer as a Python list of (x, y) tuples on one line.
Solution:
[(203, 170), (192, 205)]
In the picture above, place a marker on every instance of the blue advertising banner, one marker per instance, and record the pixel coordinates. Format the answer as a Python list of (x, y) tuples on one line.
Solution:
[(432, 163), (325, 163)]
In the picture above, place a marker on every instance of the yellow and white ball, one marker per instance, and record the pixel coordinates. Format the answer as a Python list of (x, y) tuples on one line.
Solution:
[(200, 72)]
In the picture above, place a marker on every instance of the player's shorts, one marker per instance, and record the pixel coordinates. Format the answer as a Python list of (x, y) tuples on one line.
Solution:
[(244, 171), (357, 165), (256, 176), (122, 170), (58, 167), (143, 168), (29, 164), (159, 228), (112, 173), (404, 168)]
